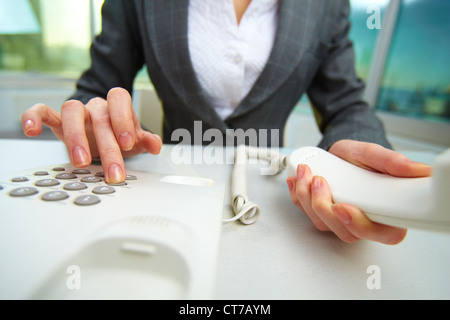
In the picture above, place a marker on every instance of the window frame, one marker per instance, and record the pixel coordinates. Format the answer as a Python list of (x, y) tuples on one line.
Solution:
[(425, 131)]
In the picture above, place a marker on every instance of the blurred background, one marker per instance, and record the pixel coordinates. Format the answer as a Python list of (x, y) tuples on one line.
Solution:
[(402, 49)]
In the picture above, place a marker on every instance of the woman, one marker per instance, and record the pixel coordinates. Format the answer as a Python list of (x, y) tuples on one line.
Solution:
[(229, 64)]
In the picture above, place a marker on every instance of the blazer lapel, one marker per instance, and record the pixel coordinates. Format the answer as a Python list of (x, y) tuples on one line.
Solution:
[(169, 35), (289, 47), (168, 27)]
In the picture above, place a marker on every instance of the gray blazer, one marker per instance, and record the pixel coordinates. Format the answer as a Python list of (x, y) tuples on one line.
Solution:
[(312, 54)]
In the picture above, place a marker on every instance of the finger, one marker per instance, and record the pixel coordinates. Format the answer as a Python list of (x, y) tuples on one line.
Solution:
[(377, 158), (145, 142), (303, 194), (73, 115), (393, 163), (291, 182), (150, 142), (362, 227), (109, 150), (36, 116), (122, 117), (127, 128), (321, 201)]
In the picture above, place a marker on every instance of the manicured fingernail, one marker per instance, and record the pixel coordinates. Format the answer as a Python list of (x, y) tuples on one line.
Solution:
[(423, 165), (115, 174), (316, 183), (416, 163), (80, 156), (300, 171), (28, 125), (158, 138), (290, 184), (126, 141), (342, 214)]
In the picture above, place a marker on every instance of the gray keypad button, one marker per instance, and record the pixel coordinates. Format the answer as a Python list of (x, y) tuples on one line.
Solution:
[(41, 173), (65, 176), (100, 174), (81, 171), (87, 200), (75, 186), (19, 179), (55, 196), (130, 177), (23, 192), (59, 169), (91, 179), (46, 183), (103, 190)]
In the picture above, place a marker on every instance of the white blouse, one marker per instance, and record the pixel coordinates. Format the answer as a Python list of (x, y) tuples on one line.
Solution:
[(229, 57)]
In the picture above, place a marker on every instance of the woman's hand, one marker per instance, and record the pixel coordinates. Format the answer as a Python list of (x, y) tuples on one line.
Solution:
[(108, 129), (312, 195)]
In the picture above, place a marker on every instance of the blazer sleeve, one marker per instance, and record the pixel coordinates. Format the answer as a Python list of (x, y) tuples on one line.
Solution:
[(116, 54), (336, 92)]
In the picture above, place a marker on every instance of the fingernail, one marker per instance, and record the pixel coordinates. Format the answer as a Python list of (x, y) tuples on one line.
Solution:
[(316, 183), (423, 165), (158, 138), (341, 213), (28, 125), (300, 171), (416, 163), (126, 141), (115, 174), (80, 156), (290, 184)]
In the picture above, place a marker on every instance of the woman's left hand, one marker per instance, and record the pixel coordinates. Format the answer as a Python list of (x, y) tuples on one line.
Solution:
[(312, 195)]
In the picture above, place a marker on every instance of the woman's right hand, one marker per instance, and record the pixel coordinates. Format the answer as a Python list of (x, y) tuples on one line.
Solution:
[(108, 129)]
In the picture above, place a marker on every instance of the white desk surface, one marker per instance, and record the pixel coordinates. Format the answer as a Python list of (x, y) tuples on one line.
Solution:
[(282, 256)]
